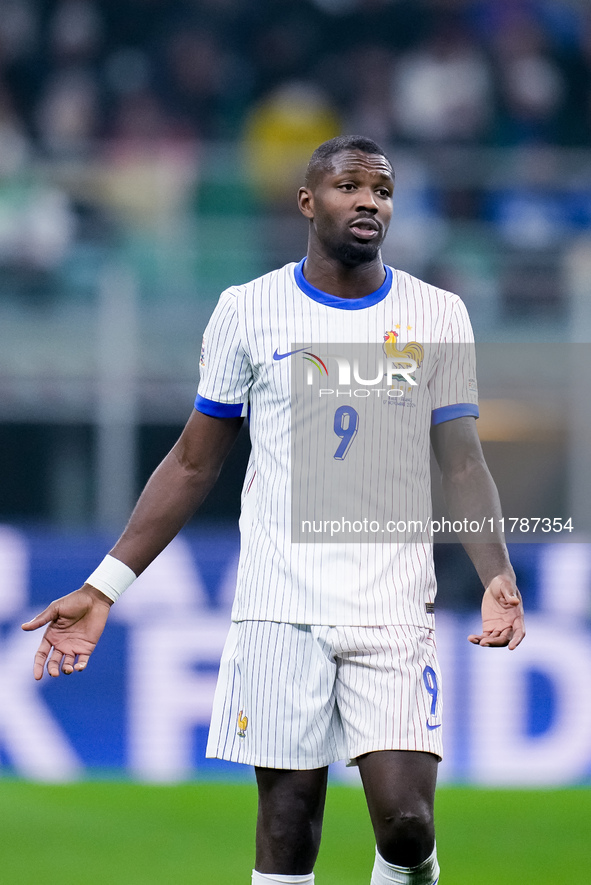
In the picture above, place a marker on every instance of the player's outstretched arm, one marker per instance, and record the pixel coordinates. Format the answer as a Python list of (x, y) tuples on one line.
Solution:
[(471, 495), (174, 491)]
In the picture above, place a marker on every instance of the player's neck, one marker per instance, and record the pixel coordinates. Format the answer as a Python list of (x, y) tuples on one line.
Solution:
[(341, 280)]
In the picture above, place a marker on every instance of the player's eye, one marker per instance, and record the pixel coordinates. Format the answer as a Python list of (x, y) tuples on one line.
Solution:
[(347, 186)]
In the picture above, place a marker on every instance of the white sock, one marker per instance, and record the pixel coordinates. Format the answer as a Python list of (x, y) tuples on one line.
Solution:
[(426, 873), (284, 880)]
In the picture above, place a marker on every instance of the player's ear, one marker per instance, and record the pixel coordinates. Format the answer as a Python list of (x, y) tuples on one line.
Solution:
[(306, 202)]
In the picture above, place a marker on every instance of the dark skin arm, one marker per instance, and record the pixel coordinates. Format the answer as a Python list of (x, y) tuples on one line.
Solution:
[(470, 493), (171, 496)]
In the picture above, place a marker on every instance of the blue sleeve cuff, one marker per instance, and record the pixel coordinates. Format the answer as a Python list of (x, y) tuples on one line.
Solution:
[(457, 410), (218, 410)]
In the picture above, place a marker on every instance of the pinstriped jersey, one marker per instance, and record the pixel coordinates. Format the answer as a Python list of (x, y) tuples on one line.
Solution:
[(259, 335)]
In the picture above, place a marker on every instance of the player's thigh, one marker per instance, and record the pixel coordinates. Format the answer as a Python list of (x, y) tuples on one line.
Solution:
[(399, 782), (287, 796), (389, 689)]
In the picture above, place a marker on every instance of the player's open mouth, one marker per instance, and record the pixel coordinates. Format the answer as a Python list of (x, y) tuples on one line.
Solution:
[(365, 228)]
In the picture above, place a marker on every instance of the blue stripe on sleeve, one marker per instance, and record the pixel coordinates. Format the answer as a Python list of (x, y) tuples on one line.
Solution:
[(457, 410), (218, 410)]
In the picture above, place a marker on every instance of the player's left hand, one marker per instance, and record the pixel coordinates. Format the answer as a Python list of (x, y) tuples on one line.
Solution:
[(502, 615)]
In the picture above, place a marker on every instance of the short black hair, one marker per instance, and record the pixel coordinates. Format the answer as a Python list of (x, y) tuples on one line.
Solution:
[(320, 160)]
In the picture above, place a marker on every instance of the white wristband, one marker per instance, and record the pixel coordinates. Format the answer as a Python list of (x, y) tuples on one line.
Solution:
[(112, 577)]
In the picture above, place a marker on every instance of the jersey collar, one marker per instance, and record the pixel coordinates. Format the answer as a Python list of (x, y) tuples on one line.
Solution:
[(341, 303)]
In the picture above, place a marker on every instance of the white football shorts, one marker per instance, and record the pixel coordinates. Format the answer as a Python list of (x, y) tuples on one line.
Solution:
[(296, 696)]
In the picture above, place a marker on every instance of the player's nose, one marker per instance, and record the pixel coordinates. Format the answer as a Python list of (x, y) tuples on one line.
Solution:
[(366, 199)]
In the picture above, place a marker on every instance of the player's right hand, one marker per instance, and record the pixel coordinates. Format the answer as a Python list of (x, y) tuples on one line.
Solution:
[(76, 622)]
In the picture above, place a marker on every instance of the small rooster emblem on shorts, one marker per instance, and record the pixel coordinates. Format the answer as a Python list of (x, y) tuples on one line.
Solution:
[(242, 724)]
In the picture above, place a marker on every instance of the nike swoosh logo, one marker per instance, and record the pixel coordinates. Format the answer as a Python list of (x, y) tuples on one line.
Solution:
[(433, 727), (281, 356)]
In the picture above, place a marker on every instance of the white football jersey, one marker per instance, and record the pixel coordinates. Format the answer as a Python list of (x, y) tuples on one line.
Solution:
[(340, 396)]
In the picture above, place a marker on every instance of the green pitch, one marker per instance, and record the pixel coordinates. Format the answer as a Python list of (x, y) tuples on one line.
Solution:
[(116, 833)]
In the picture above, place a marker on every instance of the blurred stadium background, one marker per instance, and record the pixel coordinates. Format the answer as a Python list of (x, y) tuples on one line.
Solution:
[(149, 155)]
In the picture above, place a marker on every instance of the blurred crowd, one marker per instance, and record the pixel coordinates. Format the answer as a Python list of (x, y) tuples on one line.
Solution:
[(109, 109), (495, 72)]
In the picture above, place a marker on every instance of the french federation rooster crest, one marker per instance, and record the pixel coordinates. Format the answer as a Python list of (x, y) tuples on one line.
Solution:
[(413, 350), (242, 724)]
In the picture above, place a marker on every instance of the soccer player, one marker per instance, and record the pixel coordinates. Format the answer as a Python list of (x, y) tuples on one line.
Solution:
[(331, 651)]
